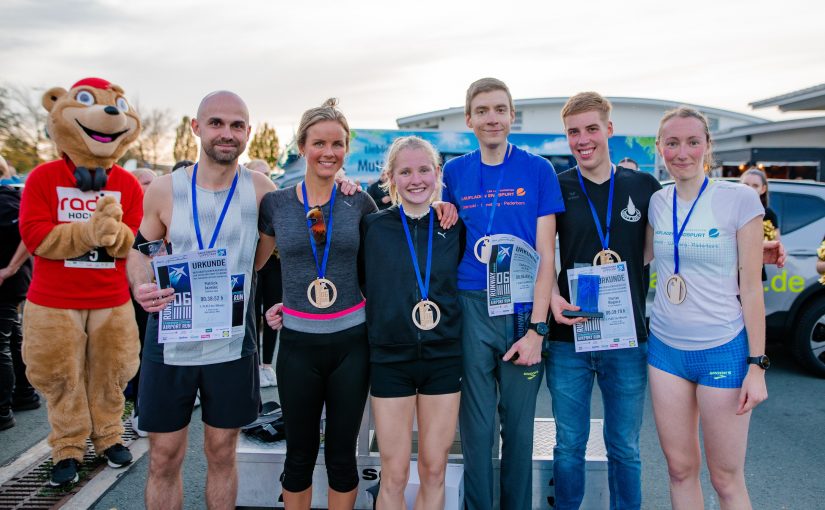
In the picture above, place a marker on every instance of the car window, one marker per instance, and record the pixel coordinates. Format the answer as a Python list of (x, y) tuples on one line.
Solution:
[(795, 210)]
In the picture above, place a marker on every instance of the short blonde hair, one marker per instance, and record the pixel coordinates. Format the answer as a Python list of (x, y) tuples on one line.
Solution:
[(412, 143), (587, 102), (486, 85), (327, 111), (686, 112)]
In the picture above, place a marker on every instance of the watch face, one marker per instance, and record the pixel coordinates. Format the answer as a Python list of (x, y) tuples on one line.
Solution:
[(764, 362), (542, 329)]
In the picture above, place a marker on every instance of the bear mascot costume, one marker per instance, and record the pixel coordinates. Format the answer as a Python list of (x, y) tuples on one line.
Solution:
[(78, 216)]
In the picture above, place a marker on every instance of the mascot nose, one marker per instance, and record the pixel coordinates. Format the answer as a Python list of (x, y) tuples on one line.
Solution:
[(111, 110)]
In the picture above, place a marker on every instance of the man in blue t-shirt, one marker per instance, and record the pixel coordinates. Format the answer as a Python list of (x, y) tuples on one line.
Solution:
[(500, 189)]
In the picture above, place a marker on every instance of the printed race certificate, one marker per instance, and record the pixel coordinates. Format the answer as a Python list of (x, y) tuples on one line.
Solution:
[(202, 309), (617, 330), (511, 273)]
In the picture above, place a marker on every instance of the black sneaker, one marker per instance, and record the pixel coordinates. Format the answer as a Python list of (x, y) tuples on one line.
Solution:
[(64, 473), (26, 403), (118, 456), (7, 421)]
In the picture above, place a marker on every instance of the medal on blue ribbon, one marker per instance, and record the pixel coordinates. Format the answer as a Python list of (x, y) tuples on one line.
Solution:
[(195, 217), (676, 287), (425, 313), (321, 293), (482, 247), (606, 255)]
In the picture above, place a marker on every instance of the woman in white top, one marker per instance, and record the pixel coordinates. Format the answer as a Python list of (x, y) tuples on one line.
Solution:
[(707, 339)]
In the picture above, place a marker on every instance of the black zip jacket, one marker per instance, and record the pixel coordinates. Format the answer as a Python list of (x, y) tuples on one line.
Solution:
[(13, 290), (392, 291)]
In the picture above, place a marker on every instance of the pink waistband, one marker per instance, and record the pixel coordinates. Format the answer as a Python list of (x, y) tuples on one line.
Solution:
[(324, 316)]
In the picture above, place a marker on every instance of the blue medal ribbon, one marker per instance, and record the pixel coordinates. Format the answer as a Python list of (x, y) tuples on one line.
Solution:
[(491, 214), (677, 236), (423, 285), (604, 235), (322, 268), (223, 211)]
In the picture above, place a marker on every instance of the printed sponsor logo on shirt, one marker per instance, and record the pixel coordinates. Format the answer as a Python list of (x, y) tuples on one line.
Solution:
[(713, 233), (521, 192), (76, 205), (630, 213)]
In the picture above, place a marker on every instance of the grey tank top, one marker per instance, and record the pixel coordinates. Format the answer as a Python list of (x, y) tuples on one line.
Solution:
[(239, 234)]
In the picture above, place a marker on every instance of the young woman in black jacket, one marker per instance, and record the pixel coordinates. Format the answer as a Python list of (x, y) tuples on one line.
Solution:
[(414, 324)]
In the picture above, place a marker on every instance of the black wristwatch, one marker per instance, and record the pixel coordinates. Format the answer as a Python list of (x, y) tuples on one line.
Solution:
[(539, 327), (762, 361)]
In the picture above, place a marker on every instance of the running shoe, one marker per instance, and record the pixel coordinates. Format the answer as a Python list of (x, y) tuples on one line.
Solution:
[(64, 473), (118, 456), (7, 421), (26, 403), (136, 427), (270, 376)]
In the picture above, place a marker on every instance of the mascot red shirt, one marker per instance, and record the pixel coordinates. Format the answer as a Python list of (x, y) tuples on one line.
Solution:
[(78, 216)]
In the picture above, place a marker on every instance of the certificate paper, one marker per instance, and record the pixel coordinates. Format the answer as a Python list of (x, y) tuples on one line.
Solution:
[(617, 330), (511, 274), (202, 309)]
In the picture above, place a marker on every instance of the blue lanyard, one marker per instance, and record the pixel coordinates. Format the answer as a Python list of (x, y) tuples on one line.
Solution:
[(491, 214), (424, 287), (604, 238), (678, 235), (223, 211), (322, 269)]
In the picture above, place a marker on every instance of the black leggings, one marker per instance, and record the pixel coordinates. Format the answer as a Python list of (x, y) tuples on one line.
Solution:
[(269, 292), (318, 369)]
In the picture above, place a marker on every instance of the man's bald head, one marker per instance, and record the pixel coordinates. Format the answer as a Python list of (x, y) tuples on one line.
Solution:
[(222, 124), (225, 99)]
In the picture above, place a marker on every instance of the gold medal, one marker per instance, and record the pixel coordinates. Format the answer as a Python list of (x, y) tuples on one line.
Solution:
[(426, 314), (606, 256), (482, 249), (322, 293), (676, 289)]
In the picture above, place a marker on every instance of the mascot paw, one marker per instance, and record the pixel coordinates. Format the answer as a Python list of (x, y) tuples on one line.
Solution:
[(105, 222)]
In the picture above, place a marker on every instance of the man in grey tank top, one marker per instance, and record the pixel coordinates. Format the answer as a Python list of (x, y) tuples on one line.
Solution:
[(224, 371)]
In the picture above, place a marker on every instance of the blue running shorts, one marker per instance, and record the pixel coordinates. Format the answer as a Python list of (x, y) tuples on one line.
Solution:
[(720, 367)]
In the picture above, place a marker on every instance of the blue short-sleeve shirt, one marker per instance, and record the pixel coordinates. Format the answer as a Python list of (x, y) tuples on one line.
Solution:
[(529, 190)]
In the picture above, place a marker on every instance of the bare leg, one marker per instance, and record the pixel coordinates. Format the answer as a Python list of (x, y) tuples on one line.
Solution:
[(437, 417), (342, 500), (393, 426), (677, 421), (298, 500), (164, 486), (222, 473), (726, 440)]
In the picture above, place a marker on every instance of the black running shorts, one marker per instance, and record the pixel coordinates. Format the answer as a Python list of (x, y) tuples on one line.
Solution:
[(229, 394)]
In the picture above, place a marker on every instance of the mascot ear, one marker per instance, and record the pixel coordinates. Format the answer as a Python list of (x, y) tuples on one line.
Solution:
[(51, 96)]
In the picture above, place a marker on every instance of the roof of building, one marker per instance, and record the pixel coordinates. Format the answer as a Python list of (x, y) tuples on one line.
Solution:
[(459, 110), (770, 127), (811, 98)]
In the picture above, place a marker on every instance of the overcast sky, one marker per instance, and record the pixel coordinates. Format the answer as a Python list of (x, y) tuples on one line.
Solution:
[(389, 59)]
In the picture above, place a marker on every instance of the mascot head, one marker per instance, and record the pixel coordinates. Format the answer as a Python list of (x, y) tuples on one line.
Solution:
[(92, 123)]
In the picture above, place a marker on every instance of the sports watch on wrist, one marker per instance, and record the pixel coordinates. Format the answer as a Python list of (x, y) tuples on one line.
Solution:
[(762, 361), (539, 327)]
